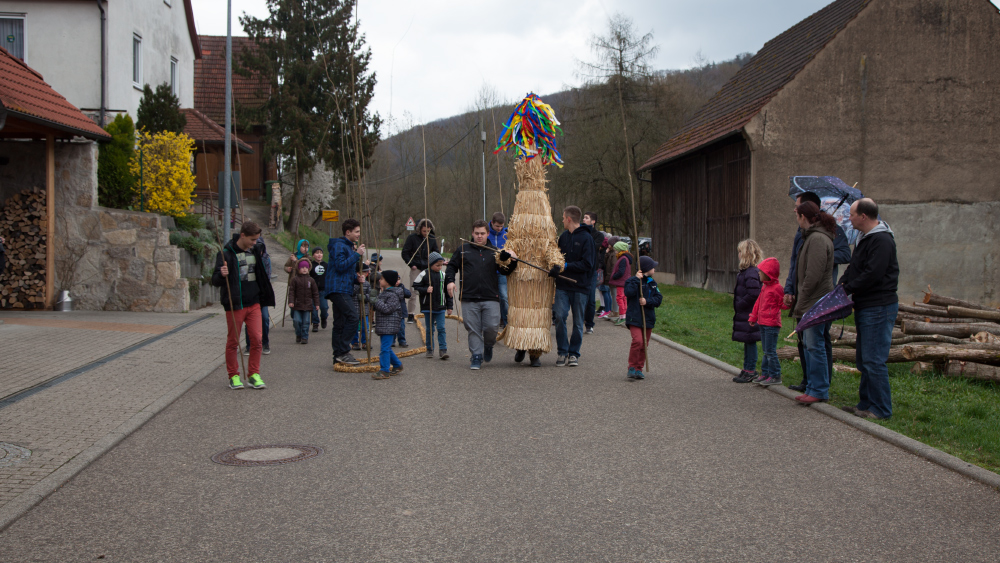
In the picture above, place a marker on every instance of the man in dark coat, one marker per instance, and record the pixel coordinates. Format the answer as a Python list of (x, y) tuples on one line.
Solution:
[(246, 291), (590, 221), (416, 250), (577, 246)]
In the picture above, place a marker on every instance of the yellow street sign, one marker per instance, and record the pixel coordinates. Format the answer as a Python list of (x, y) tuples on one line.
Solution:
[(331, 215)]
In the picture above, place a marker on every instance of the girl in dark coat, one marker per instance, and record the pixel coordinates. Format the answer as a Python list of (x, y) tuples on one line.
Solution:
[(744, 297)]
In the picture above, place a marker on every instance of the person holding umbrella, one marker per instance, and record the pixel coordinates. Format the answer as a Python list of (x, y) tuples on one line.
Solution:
[(814, 279)]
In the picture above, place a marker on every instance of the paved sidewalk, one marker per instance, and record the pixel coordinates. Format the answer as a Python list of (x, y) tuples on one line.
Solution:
[(509, 463)]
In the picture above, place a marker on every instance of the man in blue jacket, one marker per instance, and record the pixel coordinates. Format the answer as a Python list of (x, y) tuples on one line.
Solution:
[(577, 246), (344, 256), (497, 236)]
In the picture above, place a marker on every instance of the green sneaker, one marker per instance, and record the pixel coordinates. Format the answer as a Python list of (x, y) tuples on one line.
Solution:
[(255, 381), (620, 321), (235, 383)]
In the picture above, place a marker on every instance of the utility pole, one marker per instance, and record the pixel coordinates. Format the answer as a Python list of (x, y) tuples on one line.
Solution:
[(483, 136), (227, 173)]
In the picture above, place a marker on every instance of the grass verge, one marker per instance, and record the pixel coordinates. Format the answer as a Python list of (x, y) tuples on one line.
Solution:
[(957, 415)]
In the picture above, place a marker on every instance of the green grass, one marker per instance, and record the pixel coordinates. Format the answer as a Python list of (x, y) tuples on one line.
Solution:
[(957, 415), (315, 237)]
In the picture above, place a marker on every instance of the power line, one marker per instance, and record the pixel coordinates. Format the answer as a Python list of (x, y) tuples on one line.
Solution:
[(434, 160)]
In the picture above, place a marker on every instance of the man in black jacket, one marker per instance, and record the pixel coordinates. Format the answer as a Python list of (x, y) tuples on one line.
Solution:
[(244, 294), (590, 222), (416, 250), (479, 291), (577, 246), (871, 279)]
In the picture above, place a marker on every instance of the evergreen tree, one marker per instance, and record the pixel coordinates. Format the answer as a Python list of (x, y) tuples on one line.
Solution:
[(116, 185), (317, 66), (160, 111)]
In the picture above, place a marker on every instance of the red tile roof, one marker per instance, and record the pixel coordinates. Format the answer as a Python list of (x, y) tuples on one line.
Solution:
[(203, 130), (763, 76), (210, 79), (26, 95)]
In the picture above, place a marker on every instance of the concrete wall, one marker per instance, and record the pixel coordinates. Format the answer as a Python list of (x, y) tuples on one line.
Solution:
[(63, 43), (902, 102)]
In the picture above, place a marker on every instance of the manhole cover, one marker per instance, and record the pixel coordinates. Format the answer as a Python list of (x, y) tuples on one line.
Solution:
[(250, 456), (11, 454)]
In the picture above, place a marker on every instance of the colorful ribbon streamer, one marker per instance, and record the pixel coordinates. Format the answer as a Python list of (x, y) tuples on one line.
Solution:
[(531, 131)]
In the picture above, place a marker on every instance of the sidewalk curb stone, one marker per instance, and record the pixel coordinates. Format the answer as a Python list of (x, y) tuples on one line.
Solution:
[(16, 508), (915, 447)]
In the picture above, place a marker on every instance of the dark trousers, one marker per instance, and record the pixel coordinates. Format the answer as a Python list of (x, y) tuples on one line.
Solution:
[(804, 360), (345, 322), (588, 313)]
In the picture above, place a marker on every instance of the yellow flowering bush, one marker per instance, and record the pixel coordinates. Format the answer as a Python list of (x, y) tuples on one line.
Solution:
[(168, 184)]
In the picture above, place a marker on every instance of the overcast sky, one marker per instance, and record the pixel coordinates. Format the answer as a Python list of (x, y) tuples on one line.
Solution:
[(432, 57)]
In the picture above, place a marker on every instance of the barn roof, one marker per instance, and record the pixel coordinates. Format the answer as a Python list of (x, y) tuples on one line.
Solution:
[(205, 131), (760, 79), (210, 78), (26, 95)]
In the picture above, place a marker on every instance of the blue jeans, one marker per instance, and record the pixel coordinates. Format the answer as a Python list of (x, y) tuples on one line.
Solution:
[(324, 311), (750, 356), (430, 320), (401, 335), (502, 280), (874, 338), (817, 376), (300, 320), (566, 300), (804, 358), (361, 334), (345, 322), (770, 366), (386, 357), (265, 321), (609, 302), (591, 308)]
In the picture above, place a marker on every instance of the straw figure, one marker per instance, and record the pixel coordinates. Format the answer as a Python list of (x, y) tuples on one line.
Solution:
[(530, 132)]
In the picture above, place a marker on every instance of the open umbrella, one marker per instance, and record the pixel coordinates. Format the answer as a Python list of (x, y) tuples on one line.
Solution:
[(831, 307), (836, 197)]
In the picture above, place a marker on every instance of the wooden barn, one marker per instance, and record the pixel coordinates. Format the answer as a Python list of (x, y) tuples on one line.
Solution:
[(896, 95)]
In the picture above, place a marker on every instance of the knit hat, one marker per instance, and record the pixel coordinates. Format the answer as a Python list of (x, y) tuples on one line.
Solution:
[(620, 246), (646, 263), (434, 258), (390, 277), (303, 263), (376, 258)]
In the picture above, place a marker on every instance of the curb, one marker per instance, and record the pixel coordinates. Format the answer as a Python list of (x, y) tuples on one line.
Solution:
[(27, 500), (915, 447)]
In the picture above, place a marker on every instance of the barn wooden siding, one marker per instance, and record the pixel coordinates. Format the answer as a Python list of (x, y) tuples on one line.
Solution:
[(701, 210)]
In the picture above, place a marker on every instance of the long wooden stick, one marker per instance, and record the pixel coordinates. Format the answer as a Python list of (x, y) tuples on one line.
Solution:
[(494, 250)]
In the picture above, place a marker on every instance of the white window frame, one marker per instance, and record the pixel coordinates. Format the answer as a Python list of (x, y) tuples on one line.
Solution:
[(175, 87), (24, 27), (137, 61)]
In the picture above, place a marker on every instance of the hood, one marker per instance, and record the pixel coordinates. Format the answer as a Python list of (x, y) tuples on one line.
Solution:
[(298, 246), (232, 243), (586, 228), (817, 228), (620, 246), (493, 231), (422, 223), (770, 267), (396, 290), (882, 227)]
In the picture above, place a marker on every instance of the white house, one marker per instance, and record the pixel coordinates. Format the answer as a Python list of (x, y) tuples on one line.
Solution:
[(145, 42)]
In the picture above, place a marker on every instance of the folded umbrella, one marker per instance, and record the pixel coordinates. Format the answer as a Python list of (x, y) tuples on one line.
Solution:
[(831, 307)]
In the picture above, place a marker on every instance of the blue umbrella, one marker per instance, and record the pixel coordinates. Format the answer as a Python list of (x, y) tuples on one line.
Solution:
[(836, 197)]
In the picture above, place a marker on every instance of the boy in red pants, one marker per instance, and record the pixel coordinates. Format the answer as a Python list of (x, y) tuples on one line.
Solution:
[(643, 298)]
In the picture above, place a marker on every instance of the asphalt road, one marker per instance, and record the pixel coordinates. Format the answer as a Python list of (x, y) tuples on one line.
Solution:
[(509, 463)]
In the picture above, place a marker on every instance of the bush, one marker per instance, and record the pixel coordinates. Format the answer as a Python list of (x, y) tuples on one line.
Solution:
[(116, 185), (168, 184), (160, 111), (189, 222)]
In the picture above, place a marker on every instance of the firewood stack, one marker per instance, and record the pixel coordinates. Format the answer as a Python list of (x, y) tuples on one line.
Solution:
[(958, 338), (23, 225)]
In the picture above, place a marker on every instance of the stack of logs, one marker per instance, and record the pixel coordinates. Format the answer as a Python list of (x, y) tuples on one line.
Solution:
[(23, 226), (956, 337)]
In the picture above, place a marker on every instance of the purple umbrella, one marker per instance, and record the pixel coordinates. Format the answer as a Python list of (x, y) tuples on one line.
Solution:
[(832, 306)]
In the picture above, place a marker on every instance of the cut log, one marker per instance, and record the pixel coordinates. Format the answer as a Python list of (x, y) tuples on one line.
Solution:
[(921, 309), (928, 338), (942, 301), (955, 311), (972, 370), (842, 354), (948, 353), (985, 337), (957, 330), (922, 367), (952, 320)]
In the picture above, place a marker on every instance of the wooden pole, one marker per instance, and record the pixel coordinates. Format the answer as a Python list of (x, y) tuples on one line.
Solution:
[(50, 221)]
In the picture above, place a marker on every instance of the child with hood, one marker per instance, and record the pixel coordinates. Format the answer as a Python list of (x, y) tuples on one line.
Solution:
[(643, 299), (434, 303), (301, 252), (620, 273), (767, 315), (389, 311), (744, 298), (303, 299)]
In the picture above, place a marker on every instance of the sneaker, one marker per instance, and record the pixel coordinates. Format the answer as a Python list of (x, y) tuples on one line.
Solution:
[(255, 381), (631, 373), (801, 387), (403, 345), (298, 339), (444, 354), (315, 328), (604, 315), (381, 375), (396, 370), (347, 359), (246, 351), (771, 381), (305, 341), (355, 346), (868, 415), (477, 362), (572, 361), (410, 320), (429, 354), (536, 362), (745, 376), (266, 350), (639, 375), (488, 355), (322, 323), (590, 330), (759, 379), (235, 383), (620, 321), (561, 361), (519, 356)]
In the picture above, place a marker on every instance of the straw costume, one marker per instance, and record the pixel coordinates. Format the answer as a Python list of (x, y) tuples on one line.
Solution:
[(530, 132)]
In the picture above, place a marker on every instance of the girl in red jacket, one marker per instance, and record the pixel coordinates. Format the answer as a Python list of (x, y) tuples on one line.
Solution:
[(767, 314)]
